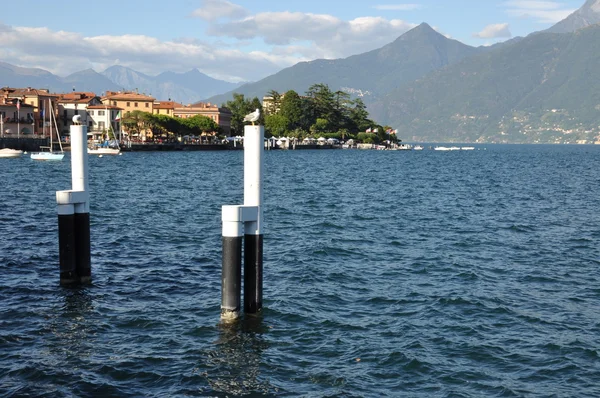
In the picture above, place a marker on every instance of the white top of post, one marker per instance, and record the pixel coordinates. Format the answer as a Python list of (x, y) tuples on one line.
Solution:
[(79, 159), (253, 173)]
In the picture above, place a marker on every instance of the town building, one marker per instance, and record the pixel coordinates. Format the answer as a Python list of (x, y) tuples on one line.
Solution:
[(37, 99), (105, 122), (76, 103), (165, 107), (221, 116), (16, 120), (129, 101)]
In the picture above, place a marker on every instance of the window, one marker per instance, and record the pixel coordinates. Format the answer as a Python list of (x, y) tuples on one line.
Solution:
[(91, 124), (92, 113), (115, 103), (147, 105), (100, 125), (100, 113), (135, 104), (76, 111), (65, 113), (129, 104)]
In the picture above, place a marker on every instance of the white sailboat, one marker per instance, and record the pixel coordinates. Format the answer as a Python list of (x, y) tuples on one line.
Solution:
[(50, 154)]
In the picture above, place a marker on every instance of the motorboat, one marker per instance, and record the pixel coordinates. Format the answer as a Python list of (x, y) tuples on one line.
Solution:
[(101, 150), (10, 153)]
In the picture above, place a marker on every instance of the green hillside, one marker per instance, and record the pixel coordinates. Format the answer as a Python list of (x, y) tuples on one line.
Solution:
[(544, 88)]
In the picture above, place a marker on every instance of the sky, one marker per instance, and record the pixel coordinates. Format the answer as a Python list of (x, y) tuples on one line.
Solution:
[(243, 40)]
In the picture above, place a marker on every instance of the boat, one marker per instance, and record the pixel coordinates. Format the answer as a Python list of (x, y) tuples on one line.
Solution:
[(417, 148), (10, 153), (441, 148), (49, 154), (467, 148), (104, 149)]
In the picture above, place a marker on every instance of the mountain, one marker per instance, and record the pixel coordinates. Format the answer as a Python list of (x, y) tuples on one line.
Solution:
[(15, 76), (89, 80), (196, 81), (186, 87), (543, 88), (587, 15), (368, 75)]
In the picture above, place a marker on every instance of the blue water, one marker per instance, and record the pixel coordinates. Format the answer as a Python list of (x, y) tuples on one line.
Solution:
[(417, 274)]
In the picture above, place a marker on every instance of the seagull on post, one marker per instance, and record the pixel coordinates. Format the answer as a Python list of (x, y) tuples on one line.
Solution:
[(252, 117)]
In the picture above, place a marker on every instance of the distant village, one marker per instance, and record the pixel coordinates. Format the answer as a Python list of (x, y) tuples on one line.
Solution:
[(29, 112)]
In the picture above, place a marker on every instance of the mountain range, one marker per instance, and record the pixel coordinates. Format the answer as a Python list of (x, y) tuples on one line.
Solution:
[(186, 87), (541, 88)]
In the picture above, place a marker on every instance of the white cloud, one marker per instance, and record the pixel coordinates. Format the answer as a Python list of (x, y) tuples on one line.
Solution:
[(494, 31), (331, 36), (213, 10), (236, 46), (541, 11), (63, 53), (397, 7)]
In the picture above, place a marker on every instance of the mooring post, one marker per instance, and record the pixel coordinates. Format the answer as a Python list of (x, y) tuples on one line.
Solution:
[(231, 273), (253, 235), (79, 181), (74, 214), (66, 243)]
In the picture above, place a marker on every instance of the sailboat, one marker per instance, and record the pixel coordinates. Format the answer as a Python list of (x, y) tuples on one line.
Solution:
[(50, 154)]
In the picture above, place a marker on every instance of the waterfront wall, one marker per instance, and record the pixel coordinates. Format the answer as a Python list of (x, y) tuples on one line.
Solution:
[(24, 144)]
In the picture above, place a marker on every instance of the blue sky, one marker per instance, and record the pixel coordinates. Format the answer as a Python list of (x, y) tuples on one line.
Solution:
[(245, 40)]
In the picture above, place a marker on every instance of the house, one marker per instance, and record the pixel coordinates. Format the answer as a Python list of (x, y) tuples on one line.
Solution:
[(165, 107), (104, 120), (16, 121), (129, 101), (76, 103), (37, 99), (221, 116)]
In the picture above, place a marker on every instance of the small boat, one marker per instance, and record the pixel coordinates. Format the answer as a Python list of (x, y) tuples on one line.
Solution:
[(441, 148), (103, 150), (10, 153), (50, 154), (467, 148), (417, 148), (47, 155)]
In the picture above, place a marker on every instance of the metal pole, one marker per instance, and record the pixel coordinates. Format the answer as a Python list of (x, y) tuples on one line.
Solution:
[(231, 275), (79, 181), (253, 236)]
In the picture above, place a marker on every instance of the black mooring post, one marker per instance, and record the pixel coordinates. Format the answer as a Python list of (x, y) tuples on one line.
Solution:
[(253, 273), (66, 245), (83, 260), (231, 277)]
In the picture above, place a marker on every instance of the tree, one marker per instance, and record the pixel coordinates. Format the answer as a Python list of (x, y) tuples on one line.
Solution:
[(276, 125), (275, 103), (239, 108), (291, 109)]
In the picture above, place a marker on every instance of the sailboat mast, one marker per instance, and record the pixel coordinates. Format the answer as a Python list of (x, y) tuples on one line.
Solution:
[(56, 127)]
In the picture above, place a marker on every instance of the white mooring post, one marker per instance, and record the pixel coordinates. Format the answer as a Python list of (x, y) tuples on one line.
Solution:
[(254, 137), (245, 222), (74, 214)]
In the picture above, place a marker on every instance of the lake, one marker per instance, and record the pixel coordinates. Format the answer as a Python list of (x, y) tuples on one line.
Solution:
[(386, 273)]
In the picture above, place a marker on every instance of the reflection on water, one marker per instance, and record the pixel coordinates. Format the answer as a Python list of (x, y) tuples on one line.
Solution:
[(234, 367), (72, 329)]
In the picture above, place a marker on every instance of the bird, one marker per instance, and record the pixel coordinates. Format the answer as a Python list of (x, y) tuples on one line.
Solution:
[(252, 117), (77, 120)]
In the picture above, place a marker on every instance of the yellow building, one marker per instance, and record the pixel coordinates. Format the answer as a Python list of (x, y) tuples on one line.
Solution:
[(129, 101), (165, 107), (38, 99), (221, 116)]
